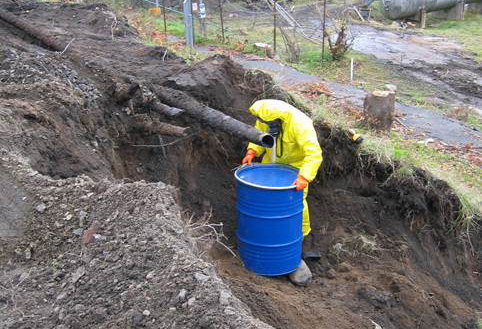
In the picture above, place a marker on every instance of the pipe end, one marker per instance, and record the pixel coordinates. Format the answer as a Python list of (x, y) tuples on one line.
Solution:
[(267, 140)]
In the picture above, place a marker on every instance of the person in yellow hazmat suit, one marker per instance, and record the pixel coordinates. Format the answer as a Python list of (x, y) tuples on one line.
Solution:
[(297, 145)]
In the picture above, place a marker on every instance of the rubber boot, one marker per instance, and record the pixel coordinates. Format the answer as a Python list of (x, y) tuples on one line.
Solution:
[(302, 276), (309, 251)]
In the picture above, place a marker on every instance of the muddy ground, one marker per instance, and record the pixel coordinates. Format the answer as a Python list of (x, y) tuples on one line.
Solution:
[(103, 231), (433, 61)]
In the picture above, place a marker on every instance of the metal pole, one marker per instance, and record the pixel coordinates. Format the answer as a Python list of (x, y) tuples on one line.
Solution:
[(324, 26), (187, 7), (164, 15), (222, 20), (274, 25)]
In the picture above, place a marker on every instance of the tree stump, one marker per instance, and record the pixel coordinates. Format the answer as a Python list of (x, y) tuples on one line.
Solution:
[(379, 108), (266, 48)]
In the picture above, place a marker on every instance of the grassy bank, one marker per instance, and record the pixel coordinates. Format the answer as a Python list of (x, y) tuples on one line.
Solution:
[(461, 175), (468, 32)]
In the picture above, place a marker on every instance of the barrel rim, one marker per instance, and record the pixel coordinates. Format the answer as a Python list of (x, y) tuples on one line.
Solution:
[(264, 165)]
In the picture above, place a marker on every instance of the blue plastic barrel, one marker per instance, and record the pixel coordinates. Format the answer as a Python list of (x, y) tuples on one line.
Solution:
[(270, 212)]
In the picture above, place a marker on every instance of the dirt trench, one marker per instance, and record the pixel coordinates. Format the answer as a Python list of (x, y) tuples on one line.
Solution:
[(391, 255)]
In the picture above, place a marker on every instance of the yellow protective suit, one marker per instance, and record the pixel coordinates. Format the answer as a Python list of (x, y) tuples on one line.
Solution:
[(299, 142)]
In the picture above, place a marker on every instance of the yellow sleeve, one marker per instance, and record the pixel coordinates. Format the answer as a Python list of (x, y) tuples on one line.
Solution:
[(308, 141), (258, 148)]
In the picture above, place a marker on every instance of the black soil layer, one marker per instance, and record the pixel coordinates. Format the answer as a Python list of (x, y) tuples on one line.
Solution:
[(391, 253)]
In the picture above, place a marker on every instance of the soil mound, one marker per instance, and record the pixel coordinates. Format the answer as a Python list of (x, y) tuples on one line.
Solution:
[(103, 247), (109, 255)]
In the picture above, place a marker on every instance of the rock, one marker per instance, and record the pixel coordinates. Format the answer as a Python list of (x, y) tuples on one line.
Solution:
[(79, 308), (390, 87), (302, 276), (28, 253), (201, 277), (24, 276), (61, 314), (182, 295), (150, 275), (146, 313), (62, 296), (78, 274), (82, 216), (136, 320), (229, 311), (41, 207), (99, 237), (344, 267), (378, 298), (224, 297), (331, 274), (100, 313), (78, 231), (190, 301)]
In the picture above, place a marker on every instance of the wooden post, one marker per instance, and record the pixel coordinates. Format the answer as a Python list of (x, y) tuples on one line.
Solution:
[(274, 25), (164, 16), (222, 19), (324, 26)]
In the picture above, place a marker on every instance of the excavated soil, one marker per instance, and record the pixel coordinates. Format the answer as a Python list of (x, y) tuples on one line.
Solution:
[(392, 256)]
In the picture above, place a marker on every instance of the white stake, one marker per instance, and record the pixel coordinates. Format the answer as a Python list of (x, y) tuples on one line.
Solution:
[(352, 69)]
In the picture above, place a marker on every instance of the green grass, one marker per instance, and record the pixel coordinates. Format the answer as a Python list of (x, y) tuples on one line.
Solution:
[(468, 32), (175, 26)]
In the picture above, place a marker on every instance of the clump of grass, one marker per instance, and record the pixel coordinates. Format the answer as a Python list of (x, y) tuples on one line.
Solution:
[(467, 31)]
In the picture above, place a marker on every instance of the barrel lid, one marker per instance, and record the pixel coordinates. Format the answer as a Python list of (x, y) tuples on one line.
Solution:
[(268, 176)]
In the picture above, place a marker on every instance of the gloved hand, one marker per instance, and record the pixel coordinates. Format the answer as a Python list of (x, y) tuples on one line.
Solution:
[(301, 183), (248, 158)]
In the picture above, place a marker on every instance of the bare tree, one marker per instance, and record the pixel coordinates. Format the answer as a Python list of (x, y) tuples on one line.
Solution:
[(292, 45), (339, 39)]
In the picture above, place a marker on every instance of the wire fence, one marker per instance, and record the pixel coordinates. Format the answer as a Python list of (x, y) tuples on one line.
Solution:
[(267, 27)]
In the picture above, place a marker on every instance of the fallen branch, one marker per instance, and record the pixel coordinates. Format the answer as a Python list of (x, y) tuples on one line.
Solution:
[(164, 109), (212, 117), (143, 123)]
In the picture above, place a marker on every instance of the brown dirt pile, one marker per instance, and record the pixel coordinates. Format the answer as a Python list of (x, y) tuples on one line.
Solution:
[(140, 267), (391, 255)]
